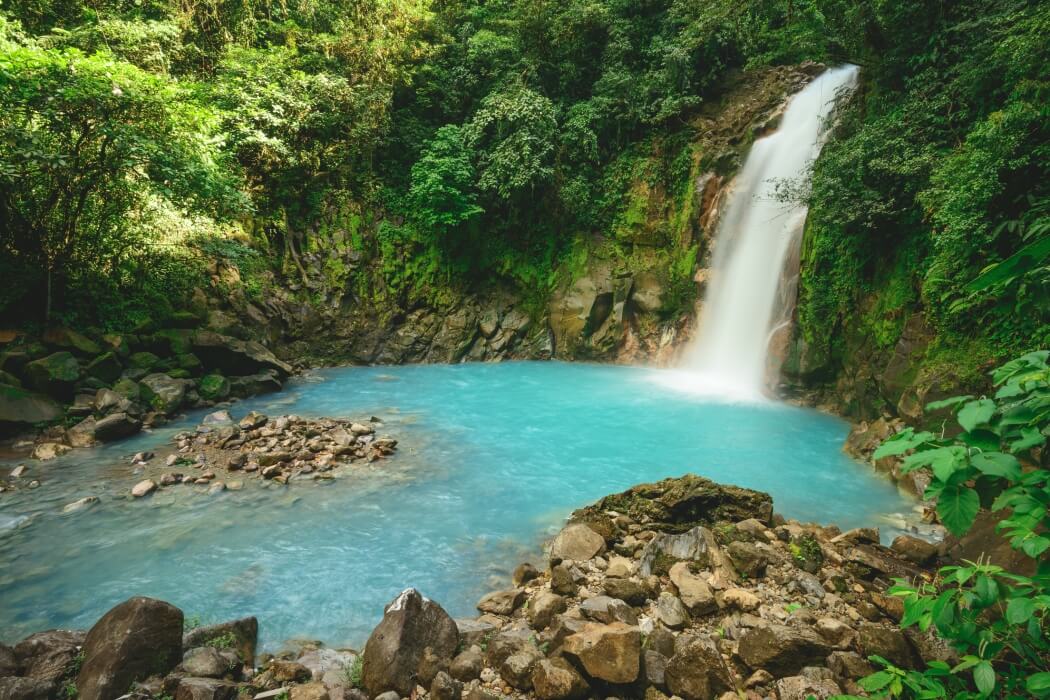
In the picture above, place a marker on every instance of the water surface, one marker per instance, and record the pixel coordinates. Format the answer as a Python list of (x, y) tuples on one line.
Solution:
[(493, 458)]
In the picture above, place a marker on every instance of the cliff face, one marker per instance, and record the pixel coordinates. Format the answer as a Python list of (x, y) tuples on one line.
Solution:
[(628, 294)]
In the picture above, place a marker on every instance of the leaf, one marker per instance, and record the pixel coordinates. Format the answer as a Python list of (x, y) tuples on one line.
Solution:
[(1035, 545), (976, 413), (952, 403), (1019, 263), (997, 464), (900, 443), (1030, 437), (1019, 610), (984, 677), (876, 681), (957, 507), (1038, 683)]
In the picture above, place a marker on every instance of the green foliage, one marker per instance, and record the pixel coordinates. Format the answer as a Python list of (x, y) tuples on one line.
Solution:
[(354, 671), (997, 621), (442, 193)]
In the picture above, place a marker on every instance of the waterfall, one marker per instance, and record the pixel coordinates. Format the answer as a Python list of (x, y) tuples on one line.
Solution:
[(755, 237)]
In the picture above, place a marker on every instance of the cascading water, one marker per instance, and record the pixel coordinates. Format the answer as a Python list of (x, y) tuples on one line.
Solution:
[(755, 237)]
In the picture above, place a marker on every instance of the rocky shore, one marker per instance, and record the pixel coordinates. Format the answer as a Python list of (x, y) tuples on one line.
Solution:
[(683, 588)]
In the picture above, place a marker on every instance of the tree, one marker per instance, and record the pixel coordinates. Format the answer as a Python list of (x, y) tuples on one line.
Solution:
[(85, 142), (442, 192)]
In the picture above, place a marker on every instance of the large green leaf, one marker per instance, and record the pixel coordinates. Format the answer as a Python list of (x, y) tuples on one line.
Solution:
[(957, 507), (984, 677), (997, 464), (1019, 263), (1038, 683), (900, 443), (976, 413)]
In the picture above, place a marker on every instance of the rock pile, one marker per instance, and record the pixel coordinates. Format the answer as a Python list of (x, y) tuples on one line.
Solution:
[(222, 452)]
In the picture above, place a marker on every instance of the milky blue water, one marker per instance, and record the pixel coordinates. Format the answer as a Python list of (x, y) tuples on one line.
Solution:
[(493, 458)]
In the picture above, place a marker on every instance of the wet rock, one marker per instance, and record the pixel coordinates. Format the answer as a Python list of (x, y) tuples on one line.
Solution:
[(556, 679), (217, 418), (696, 671), (80, 504), (502, 602), (524, 573), (412, 628), (18, 472), (577, 543), (138, 638), (18, 405), (164, 393), (46, 451), (914, 550), (204, 662), (144, 488), (780, 649), (607, 652), (543, 608)]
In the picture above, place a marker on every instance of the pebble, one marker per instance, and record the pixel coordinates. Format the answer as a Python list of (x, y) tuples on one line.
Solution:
[(18, 471)]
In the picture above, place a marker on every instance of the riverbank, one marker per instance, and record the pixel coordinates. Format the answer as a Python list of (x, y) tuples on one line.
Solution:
[(681, 587)]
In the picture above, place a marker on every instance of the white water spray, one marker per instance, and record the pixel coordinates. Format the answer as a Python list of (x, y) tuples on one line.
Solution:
[(755, 236)]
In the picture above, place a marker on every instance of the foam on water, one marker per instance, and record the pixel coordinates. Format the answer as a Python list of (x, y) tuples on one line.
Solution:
[(492, 459)]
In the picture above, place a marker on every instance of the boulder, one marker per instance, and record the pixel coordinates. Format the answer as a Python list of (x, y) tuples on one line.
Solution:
[(20, 406), (45, 451), (679, 505), (309, 691), (8, 661), (628, 590), (82, 434), (115, 427), (240, 635), (803, 688), (848, 665), (14, 688), (562, 581), (890, 644), (524, 573), (234, 356), (543, 608), (741, 599), (255, 384), (606, 609), (163, 393), (144, 488), (49, 656), (696, 545), (445, 687), (671, 611), (71, 340), (694, 592), (780, 649), (502, 602), (696, 671), (413, 628), (914, 549), (204, 689), (517, 668), (473, 631), (556, 679), (54, 375), (136, 639), (610, 652), (214, 387), (106, 367), (749, 559), (578, 543), (204, 662), (467, 665)]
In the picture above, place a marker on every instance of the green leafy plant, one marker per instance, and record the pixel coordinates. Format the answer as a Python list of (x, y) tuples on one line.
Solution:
[(995, 620)]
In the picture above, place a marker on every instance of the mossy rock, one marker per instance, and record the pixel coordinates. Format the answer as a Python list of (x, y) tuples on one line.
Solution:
[(171, 341), (128, 388), (184, 319), (179, 373), (9, 379), (70, 339), (117, 343), (214, 387), (106, 367), (20, 406), (190, 362), (55, 374), (143, 360)]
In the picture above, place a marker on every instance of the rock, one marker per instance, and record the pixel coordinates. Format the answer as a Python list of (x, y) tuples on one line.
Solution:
[(607, 652), (474, 631), (18, 472), (115, 427), (556, 679), (253, 420), (741, 599), (106, 367), (502, 602), (802, 688), (412, 628), (205, 662), (868, 562), (890, 644), (543, 608), (308, 691), (213, 387), (696, 671), (49, 656), (284, 671), (217, 418), (46, 451), (255, 384), (578, 543), (836, 632), (517, 668), (138, 638), (20, 406), (671, 612), (524, 573), (231, 355), (444, 687), (654, 668), (54, 375), (628, 590), (749, 559), (68, 338), (913, 549), (663, 551), (80, 504), (781, 650), (163, 393), (13, 688), (620, 567), (848, 665), (694, 592), (144, 488), (327, 664), (389, 695), (679, 505), (8, 661), (205, 689), (562, 581), (859, 535), (467, 665), (605, 609)]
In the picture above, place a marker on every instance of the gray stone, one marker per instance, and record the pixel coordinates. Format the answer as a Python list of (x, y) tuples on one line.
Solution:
[(696, 671), (204, 662), (205, 689), (782, 650), (502, 602), (13, 688), (242, 634), (606, 609), (116, 426), (20, 406), (444, 687), (694, 592), (543, 608), (467, 665), (671, 612), (578, 543)]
